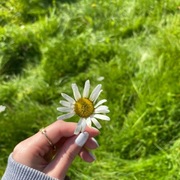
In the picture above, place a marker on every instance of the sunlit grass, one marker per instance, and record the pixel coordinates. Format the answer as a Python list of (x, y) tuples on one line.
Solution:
[(133, 45)]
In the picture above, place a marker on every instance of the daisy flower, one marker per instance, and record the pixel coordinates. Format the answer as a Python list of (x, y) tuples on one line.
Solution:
[(2, 108), (85, 106)]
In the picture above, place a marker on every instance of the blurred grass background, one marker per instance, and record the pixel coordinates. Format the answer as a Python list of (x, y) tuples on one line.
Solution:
[(45, 45)]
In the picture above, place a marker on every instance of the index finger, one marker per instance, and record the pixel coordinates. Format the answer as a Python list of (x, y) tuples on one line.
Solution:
[(60, 129)]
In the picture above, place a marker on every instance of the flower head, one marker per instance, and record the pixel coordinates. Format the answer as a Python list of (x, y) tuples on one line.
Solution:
[(85, 106), (2, 108)]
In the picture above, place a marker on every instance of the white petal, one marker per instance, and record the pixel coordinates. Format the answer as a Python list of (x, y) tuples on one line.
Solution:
[(76, 92), (100, 102), (66, 116), (65, 103), (86, 89), (101, 78), (96, 123), (102, 109), (83, 125), (88, 122), (2, 108), (78, 127), (95, 93), (64, 109), (68, 98), (102, 117)]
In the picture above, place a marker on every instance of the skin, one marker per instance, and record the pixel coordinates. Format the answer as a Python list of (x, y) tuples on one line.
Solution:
[(37, 153)]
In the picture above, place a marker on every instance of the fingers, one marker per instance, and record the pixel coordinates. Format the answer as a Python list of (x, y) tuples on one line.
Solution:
[(60, 134), (72, 147), (86, 153), (57, 130), (91, 143)]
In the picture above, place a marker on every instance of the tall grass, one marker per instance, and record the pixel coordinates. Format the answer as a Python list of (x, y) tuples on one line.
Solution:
[(134, 45)]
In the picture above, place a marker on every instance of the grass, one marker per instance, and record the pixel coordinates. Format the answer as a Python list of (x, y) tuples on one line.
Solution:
[(134, 45)]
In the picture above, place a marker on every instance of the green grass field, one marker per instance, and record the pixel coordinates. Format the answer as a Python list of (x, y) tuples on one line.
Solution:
[(133, 44)]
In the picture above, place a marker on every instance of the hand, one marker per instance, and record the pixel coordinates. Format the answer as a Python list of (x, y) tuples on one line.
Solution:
[(36, 152)]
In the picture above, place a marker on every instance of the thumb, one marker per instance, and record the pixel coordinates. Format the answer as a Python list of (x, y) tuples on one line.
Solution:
[(60, 164)]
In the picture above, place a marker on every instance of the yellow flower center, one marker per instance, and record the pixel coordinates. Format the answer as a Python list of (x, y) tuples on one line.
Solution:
[(84, 107)]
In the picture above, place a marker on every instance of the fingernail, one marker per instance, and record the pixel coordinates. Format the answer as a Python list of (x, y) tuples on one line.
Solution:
[(97, 144), (82, 138), (92, 155)]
